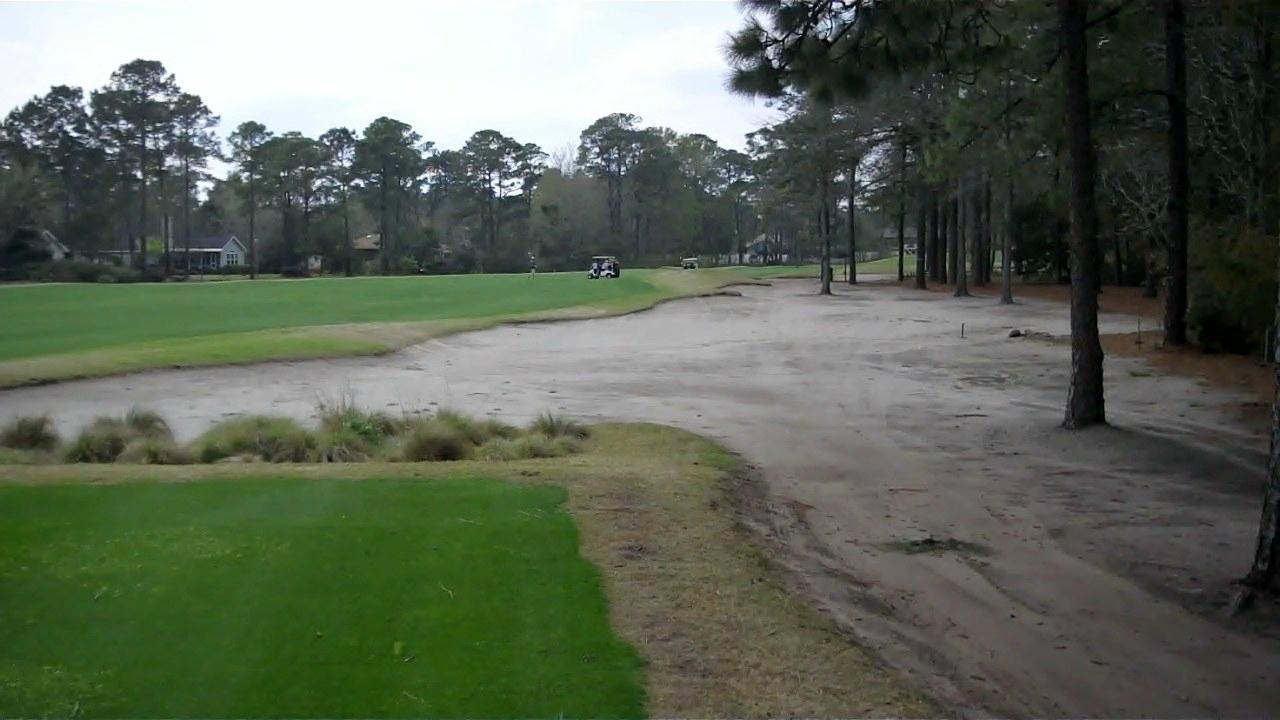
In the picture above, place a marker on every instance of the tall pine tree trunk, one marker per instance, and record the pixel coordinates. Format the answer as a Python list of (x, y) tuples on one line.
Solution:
[(1085, 404), (976, 246), (384, 241), (825, 228), (346, 232), (989, 232), (1006, 250), (66, 201), (922, 210), (964, 233), (1175, 299), (853, 221), (953, 233), (165, 220), (902, 201), (934, 217), (186, 214), (1263, 571), (253, 236), (142, 197)]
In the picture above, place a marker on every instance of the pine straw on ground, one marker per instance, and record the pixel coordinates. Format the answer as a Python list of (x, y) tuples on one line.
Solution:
[(1244, 374), (1123, 300), (687, 584)]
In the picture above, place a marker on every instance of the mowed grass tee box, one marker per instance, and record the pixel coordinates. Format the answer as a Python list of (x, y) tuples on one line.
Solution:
[(303, 598)]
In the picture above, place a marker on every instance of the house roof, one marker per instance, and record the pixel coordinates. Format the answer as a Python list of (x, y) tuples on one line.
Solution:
[(891, 233), (51, 241), (212, 242), (372, 241)]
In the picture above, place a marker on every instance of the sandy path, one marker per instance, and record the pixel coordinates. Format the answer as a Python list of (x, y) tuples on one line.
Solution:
[(872, 422)]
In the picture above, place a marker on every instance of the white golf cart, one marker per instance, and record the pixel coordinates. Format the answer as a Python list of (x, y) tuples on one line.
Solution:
[(604, 266)]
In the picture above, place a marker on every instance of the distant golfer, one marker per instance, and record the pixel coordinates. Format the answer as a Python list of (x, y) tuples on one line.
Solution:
[(533, 265)]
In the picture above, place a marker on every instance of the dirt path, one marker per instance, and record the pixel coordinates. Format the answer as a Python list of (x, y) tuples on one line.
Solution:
[(1097, 556)]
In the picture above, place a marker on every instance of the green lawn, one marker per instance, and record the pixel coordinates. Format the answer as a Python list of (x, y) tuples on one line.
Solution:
[(60, 331), (311, 597), (885, 265), (50, 319), (889, 265)]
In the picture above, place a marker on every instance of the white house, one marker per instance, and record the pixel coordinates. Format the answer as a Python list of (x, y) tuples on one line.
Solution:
[(889, 238), (210, 253)]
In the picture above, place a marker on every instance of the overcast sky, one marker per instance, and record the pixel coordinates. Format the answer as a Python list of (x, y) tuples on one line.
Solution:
[(538, 71)]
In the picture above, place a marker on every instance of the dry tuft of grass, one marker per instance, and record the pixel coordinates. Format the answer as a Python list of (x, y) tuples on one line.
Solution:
[(432, 441), (155, 451), (147, 423), (101, 441), (262, 437), (29, 433), (344, 415), (554, 426), (13, 456), (346, 434), (344, 445), (468, 427), (527, 447)]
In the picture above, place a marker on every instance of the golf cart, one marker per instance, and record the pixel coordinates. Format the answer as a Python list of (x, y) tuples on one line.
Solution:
[(689, 263), (604, 266)]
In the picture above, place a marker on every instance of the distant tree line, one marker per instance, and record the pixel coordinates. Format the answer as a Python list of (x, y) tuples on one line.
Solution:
[(127, 167)]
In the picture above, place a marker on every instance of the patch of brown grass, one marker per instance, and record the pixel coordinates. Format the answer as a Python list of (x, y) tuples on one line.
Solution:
[(691, 589)]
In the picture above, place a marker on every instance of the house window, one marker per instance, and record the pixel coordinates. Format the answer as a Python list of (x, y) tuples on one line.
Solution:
[(233, 258)]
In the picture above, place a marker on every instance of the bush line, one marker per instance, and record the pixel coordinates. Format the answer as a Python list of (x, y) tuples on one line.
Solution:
[(345, 434)]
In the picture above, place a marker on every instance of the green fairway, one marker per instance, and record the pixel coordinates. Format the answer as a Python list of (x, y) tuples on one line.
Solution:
[(59, 331), (50, 319), (308, 597), (781, 272), (889, 265), (884, 266)]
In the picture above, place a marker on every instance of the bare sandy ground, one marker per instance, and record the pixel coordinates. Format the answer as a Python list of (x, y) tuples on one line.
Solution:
[(1098, 557)]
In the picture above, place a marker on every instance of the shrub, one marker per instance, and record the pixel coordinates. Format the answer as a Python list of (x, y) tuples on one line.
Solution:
[(154, 450), (29, 433), (553, 426), (147, 423), (528, 447), (1216, 327), (475, 432), (235, 270), (343, 414), (274, 439), (101, 441), (81, 271), (498, 450), (494, 428), (342, 445), (123, 274), (15, 456), (432, 440), (24, 246), (1234, 291)]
